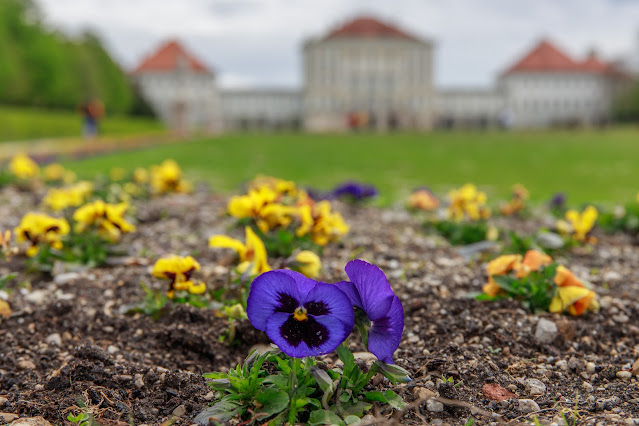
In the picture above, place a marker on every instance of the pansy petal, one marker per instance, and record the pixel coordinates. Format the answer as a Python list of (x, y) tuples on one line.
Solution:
[(317, 336), (266, 296), (351, 292), (304, 284), (373, 287), (328, 300), (386, 334)]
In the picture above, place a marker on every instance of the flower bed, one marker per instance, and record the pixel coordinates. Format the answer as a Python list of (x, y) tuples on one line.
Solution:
[(76, 340)]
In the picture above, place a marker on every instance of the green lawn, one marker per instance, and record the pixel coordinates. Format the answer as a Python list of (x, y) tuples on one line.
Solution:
[(590, 166), (30, 123)]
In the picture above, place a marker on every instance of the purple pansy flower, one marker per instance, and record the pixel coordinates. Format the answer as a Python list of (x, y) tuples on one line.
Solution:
[(354, 190), (301, 316), (380, 311)]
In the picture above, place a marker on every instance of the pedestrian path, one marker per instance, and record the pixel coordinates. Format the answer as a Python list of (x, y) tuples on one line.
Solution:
[(44, 150)]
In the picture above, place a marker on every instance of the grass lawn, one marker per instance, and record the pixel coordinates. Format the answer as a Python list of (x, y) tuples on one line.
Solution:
[(30, 123), (588, 165)]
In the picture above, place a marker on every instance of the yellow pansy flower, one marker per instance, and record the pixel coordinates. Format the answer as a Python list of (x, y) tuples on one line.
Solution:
[(178, 270), (583, 222), (141, 175), (308, 263), (23, 167), (572, 294), (499, 266), (73, 196), (38, 228), (108, 219), (467, 201), (167, 177), (252, 254)]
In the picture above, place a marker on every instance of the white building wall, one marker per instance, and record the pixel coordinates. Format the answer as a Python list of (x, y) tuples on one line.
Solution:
[(388, 78), (183, 99), (543, 99)]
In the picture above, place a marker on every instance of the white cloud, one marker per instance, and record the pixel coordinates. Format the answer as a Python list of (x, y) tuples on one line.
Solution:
[(259, 41)]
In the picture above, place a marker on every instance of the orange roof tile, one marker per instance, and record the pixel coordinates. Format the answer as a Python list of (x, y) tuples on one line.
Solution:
[(167, 58), (546, 57), (368, 27)]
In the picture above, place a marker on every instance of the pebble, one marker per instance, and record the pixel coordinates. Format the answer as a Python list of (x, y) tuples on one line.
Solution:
[(434, 406), (209, 396), (528, 406), (587, 386), (7, 417), (37, 297), (562, 364), (31, 421), (3, 401), (139, 381), (179, 411), (423, 393), (591, 367), (535, 387), (112, 349), (25, 364), (53, 339), (624, 374), (66, 277), (546, 331)]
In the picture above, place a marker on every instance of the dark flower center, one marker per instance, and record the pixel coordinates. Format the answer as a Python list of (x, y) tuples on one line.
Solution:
[(309, 331), (287, 303)]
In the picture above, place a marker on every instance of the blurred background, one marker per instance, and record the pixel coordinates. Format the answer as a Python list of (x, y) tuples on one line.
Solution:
[(290, 82)]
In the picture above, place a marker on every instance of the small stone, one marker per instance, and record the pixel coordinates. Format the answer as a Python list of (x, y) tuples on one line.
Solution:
[(139, 381), (635, 367), (546, 331), (550, 240), (495, 392), (209, 396), (364, 356), (37, 297), (66, 277), (434, 406), (7, 417), (53, 339), (3, 401), (179, 411), (25, 364), (632, 421), (112, 349), (423, 393), (535, 387), (624, 374), (591, 367), (587, 386), (528, 406), (562, 364), (31, 421)]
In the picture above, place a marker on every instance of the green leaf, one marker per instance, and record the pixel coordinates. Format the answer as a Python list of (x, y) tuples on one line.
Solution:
[(505, 282), (278, 380), (324, 417), (221, 411), (272, 400), (352, 420), (356, 408), (389, 397)]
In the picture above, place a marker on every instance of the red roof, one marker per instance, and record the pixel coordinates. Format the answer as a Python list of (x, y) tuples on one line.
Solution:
[(368, 27), (167, 58), (546, 57)]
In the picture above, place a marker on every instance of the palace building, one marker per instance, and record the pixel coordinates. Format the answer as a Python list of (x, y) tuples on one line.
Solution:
[(370, 74)]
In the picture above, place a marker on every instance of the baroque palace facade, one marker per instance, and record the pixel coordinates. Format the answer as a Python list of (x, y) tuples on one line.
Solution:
[(368, 74)]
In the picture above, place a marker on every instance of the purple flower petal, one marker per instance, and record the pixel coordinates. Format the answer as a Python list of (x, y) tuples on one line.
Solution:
[(335, 300), (351, 291), (304, 284), (301, 316), (373, 287), (386, 334), (270, 293)]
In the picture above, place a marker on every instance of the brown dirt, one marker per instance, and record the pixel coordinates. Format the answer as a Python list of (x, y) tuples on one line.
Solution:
[(69, 339)]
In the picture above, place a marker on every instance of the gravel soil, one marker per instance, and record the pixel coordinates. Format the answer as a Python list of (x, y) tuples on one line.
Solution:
[(69, 341)]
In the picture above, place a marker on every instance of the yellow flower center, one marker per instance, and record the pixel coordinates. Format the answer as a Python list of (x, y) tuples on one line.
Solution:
[(300, 314)]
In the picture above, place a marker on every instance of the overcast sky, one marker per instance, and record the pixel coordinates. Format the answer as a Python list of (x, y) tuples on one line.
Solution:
[(258, 42)]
